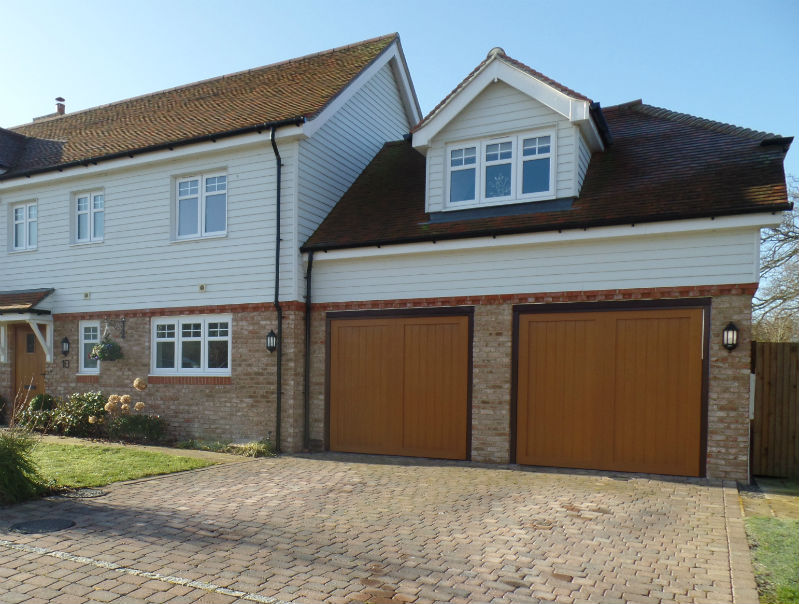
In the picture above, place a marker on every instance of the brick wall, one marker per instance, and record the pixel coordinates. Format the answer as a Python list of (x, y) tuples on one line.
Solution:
[(242, 407), (728, 400), (728, 390)]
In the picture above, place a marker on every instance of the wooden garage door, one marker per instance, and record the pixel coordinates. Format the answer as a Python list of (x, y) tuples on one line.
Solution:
[(615, 390), (399, 386)]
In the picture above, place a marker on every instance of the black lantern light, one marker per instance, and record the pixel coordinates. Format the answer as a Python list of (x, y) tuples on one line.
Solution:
[(271, 341), (729, 337), (65, 346)]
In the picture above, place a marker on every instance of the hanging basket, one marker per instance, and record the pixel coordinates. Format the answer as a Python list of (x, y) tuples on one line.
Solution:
[(107, 350)]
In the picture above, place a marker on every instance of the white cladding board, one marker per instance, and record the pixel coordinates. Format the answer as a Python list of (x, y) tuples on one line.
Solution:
[(583, 157), (138, 265), (501, 109), (697, 258), (338, 152)]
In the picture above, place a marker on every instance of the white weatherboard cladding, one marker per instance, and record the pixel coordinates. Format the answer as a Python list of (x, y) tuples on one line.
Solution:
[(137, 265), (338, 152), (583, 157), (498, 110), (697, 258)]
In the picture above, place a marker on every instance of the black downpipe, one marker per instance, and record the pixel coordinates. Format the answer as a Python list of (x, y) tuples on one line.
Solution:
[(279, 386), (306, 408)]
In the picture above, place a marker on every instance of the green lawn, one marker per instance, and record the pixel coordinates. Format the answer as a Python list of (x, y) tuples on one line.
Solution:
[(97, 465), (772, 526)]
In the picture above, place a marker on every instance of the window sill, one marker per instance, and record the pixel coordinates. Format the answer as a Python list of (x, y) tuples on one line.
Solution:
[(87, 378), (22, 251), (196, 380), (471, 205), (82, 243), (194, 239)]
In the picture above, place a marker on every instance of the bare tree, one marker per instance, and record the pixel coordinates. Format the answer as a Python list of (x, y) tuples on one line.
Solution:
[(776, 304)]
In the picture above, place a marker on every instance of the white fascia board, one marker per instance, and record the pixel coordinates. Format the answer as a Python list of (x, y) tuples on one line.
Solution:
[(141, 159), (591, 134), (407, 93), (575, 110), (753, 221)]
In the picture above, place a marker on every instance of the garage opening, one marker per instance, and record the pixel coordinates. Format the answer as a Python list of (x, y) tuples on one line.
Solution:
[(399, 385), (611, 390)]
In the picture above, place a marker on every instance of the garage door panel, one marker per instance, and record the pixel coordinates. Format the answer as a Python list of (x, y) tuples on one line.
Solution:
[(558, 346), (658, 385), (366, 388), (435, 388), (613, 390), (399, 386)]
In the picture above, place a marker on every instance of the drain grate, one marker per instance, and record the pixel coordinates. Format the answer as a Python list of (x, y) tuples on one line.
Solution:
[(84, 493), (48, 525)]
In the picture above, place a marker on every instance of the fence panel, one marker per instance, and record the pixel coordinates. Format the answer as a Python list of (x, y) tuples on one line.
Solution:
[(775, 426)]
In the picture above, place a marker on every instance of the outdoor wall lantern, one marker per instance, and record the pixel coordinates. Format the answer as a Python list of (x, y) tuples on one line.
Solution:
[(65, 346), (271, 341), (729, 337)]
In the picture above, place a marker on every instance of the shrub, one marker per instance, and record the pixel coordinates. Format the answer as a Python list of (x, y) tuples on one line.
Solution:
[(71, 417), (43, 402), (19, 479), (137, 428)]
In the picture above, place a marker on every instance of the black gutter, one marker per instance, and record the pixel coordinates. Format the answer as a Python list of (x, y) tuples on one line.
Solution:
[(306, 427), (292, 121), (279, 379), (595, 110), (569, 226)]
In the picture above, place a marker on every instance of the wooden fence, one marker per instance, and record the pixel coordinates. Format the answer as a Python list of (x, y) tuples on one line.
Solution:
[(775, 433)]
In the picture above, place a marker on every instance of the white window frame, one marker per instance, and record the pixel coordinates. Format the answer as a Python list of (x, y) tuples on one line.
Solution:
[(82, 325), (517, 164), (202, 194), (475, 166), (26, 222), (91, 211), (178, 339)]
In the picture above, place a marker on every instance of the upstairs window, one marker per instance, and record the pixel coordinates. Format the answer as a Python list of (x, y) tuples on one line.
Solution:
[(89, 217), (502, 170), (201, 206), (536, 159), (25, 233), (462, 174)]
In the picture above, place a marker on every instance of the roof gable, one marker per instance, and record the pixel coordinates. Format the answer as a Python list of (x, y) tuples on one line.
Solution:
[(295, 89), (497, 66)]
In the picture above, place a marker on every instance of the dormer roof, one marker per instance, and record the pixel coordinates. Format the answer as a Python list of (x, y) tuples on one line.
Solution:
[(498, 66), (662, 166)]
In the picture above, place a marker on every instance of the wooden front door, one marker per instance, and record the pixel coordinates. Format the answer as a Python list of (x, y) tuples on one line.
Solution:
[(29, 363), (399, 386), (613, 390)]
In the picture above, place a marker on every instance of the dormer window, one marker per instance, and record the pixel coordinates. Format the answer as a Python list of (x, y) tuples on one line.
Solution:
[(463, 174), (510, 169)]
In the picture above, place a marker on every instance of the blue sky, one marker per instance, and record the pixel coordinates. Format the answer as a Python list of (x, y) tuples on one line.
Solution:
[(732, 61)]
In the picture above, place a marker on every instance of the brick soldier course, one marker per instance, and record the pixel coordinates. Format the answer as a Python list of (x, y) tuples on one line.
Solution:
[(343, 528)]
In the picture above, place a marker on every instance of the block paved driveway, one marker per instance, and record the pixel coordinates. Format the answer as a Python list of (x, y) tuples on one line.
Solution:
[(347, 528)]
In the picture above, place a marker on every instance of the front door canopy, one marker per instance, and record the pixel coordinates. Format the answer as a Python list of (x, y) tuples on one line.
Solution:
[(36, 322)]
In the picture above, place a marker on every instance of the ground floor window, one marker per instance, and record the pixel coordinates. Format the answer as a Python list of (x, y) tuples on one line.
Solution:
[(194, 345), (89, 338)]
